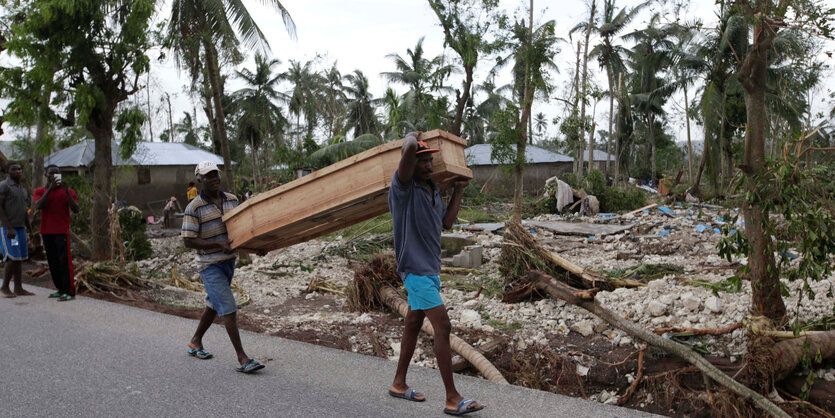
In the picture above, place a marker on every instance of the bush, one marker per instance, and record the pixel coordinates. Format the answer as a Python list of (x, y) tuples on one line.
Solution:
[(137, 245), (612, 199)]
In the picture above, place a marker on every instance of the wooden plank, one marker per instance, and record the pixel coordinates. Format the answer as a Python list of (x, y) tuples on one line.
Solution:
[(350, 191), (571, 228)]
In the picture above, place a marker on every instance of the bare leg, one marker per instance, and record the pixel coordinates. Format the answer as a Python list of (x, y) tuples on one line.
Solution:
[(17, 273), (206, 320), (231, 322), (7, 278), (414, 320), (443, 354)]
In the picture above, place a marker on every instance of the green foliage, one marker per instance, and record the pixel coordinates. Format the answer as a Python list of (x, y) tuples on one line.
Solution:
[(730, 285), (645, 272), (129, 123), (612, 199), (800, 195), (137, 245), (80, 222), (474, 215)]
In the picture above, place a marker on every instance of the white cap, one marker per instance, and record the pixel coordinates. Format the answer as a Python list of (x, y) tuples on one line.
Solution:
[(205, 167)]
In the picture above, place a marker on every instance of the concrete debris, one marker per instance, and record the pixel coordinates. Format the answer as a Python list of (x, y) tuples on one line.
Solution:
[(584, 328)]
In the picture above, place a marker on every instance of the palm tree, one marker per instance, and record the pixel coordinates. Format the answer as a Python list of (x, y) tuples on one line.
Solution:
[(199, 30), (393, 105), (609, 56), (187, 128), (540, 122), (361, 114), (420, 74), (651, 55), (259, 117), (303, 98), (332, 109)]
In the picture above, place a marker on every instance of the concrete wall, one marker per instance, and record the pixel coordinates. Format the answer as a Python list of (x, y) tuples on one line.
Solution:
[(501, 184), (165, 181)]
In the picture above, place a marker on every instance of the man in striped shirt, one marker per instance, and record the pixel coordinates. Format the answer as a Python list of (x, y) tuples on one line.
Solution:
[(204, 230)]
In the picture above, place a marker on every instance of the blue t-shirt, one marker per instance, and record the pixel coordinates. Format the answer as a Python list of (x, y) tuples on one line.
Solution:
[(418, 217)]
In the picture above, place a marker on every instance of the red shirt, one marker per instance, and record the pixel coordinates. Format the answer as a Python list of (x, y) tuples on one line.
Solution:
[(55, 215)]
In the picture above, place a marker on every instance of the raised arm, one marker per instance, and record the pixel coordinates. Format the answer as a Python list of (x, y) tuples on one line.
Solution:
[(454, 203), (408, 159)]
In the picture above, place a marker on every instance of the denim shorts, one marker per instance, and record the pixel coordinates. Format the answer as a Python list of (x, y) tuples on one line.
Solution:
[(424, 292), (19, 251), (217, 279)]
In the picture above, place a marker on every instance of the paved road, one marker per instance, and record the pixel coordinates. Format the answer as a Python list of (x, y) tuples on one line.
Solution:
[(93, 358)]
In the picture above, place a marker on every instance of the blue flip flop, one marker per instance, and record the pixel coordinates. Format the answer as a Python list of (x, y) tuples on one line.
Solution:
[(409, 394), (200, 353), (251, 366), (463, 408)]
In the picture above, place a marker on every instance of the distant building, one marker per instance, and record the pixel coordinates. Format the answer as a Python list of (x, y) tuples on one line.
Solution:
[(541, 165), (155, 172)]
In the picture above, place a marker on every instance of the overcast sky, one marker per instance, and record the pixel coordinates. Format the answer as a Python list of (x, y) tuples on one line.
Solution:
[(358, 34)]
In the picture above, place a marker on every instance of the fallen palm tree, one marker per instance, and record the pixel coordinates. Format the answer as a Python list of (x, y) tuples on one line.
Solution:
[(109, 277), (373, 287), (578, 297), (521, 253)]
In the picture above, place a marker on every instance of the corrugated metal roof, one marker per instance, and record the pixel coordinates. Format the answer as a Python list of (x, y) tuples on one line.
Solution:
[(480, 155), (147, 154), (598, 155)]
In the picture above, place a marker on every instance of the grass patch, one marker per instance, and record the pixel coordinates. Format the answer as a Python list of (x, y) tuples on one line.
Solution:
[(645, 272), (492, 286), (473, 215), (377, 225), (732, 284)]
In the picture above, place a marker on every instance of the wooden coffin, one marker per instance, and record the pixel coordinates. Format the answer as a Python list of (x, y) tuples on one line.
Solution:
[(337, 196)]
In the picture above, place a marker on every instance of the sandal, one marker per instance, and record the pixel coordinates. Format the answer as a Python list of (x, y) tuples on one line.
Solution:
[(463, 408), (409, 394), (199, 353), (251, 366)]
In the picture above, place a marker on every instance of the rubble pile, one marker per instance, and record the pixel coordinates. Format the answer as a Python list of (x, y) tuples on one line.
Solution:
[(682, 236)]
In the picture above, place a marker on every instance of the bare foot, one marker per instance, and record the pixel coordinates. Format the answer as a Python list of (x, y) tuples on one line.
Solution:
[(21, 292), (6, 293)]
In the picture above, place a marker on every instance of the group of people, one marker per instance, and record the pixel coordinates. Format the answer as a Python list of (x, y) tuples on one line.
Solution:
[(419, 214), (54, 202)]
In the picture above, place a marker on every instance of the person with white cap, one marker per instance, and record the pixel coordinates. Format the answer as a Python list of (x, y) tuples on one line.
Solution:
[(203, 230)]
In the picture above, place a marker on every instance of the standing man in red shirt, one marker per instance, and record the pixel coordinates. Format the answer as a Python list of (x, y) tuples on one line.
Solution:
[(55, 200)]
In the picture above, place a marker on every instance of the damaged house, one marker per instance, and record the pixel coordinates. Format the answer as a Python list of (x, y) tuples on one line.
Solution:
[(155, 172)]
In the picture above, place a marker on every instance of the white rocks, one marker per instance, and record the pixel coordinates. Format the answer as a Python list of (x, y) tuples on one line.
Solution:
[(713, 304), (364, 319), (470, 318), (582, 370), (656, 308), (584, 328), (830, 376), (309, 296), (690, 301)]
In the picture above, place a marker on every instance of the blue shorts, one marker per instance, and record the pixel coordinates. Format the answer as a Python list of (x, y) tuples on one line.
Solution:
[(17, 252), (424, 292), (217, 279)]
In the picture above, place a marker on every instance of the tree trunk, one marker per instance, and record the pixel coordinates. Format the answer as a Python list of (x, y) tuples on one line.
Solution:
[(652, 148), (40, 133), (150, 112), (583, 98), (170, 119), (220, 120), (521, 126), (461, 102), (210, 114), (610, 77), (765, 280), (571, 295), (100, 125), (578, 142), (689, 145), (591, 144), (617, 137)]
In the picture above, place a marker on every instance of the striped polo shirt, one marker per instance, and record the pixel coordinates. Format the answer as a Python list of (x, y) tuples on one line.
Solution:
[(203, 219)]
